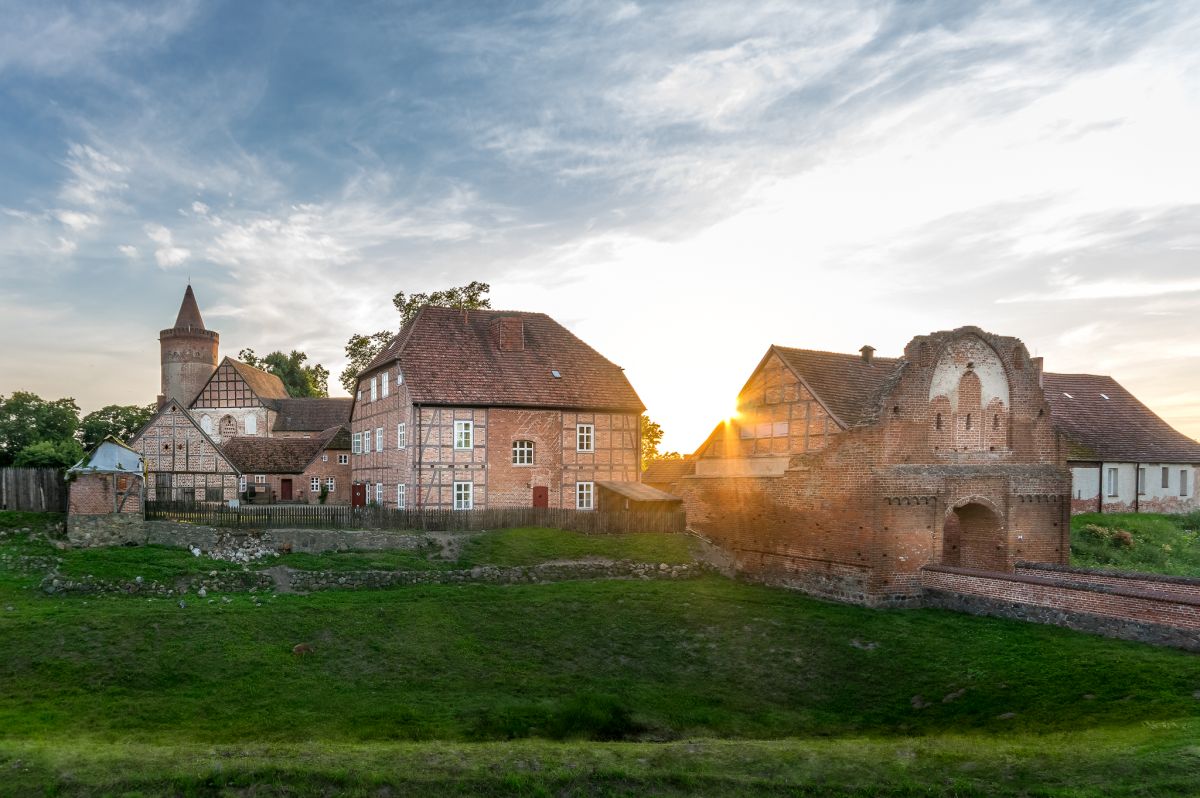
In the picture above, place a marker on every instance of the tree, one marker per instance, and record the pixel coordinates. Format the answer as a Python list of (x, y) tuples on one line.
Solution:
[(362, 349), (50, 454), (120, 421), (26, 418), (298, 379), (652, 433)]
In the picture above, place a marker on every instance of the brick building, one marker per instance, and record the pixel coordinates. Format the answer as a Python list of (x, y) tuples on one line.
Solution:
[(107, 492), (1123, 457), (483, 409), (843, 475), (304, 470)]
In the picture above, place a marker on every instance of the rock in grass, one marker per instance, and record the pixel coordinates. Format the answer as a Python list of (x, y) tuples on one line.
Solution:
[(202, 592), (183, 605)]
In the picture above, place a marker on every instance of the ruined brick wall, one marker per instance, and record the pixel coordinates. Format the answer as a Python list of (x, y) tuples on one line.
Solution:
[(958, 460)]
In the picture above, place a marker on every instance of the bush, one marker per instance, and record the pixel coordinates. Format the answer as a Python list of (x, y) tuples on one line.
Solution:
[(588, 716)]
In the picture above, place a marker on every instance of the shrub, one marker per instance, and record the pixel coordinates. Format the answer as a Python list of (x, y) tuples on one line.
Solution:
[(1122, 539)]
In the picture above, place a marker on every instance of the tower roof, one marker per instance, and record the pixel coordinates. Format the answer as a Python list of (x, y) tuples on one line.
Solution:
[(189, 312)]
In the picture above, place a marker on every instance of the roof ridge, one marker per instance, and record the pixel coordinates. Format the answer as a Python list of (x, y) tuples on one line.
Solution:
[(855, 355)]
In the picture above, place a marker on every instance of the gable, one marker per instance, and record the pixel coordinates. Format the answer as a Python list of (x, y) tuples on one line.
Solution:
[(173, 441), (235, 384)]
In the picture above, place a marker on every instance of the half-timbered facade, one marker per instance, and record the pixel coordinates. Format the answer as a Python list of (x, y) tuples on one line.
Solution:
[(475, 409), (183, 463)]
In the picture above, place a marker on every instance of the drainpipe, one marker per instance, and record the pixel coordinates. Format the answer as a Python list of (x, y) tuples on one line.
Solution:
[(1100, 492), (1137, 486)]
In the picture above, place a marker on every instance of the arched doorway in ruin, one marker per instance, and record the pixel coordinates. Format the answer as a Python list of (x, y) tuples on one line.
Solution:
[(973, 536)]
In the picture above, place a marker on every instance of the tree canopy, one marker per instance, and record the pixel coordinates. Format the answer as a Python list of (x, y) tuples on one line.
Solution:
[(652, 433), (298, 378), (362, 349), (26, 419), (120, 421)]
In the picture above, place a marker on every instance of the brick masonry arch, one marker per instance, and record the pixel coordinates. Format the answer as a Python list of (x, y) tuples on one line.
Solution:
[(973, 536)]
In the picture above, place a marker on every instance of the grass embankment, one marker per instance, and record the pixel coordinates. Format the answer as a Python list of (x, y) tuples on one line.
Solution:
[(710, 686), (1164, 544)]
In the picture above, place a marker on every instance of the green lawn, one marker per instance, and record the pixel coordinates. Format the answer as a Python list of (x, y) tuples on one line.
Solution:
[(706, 686), (1165, 544)]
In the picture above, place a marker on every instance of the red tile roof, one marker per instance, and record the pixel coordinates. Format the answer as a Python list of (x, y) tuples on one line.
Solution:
[(253, 455), (847, 385), (453, 357), (264, 384), (311, 414), (1103, 421), (666, 472)]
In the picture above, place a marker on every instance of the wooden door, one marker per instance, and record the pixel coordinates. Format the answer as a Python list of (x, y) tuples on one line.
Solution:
[(541, 496), (358, 495), (285, 490)]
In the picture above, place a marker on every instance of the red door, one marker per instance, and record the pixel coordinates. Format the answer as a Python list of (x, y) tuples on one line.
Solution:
[(285, 490), (541, 496), (358, 494)]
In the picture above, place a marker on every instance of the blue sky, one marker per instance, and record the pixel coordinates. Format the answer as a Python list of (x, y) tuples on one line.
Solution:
[(683, 184)]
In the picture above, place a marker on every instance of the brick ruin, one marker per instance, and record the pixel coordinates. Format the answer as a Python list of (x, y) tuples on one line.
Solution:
[(845, 475)]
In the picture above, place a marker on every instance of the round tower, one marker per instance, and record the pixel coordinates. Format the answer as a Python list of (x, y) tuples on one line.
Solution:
[(189, 354)]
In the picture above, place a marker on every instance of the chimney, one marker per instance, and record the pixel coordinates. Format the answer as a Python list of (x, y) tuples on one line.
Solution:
[(510, 333), (868, 354)]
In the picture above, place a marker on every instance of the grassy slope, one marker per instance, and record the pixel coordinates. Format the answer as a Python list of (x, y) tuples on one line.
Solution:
[(1166, 544), (764, 689)]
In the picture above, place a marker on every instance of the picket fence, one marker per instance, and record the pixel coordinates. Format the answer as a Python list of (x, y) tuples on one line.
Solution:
[(293, 516), (33, 489)]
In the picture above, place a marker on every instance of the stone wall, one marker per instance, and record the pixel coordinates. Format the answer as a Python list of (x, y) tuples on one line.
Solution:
[(113, 529), (1124, 612), (314, 541)]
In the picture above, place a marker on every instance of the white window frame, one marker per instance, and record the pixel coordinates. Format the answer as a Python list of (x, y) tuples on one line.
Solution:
[(366, 441), (402, 435), (242, 483), (585, 437), (464, 435), (331, 483), (585, 495), (379, 439), (1114, 482), (1183, 482), (251, 425), (356, 446), (315, 484), (325, 457), (464, 496), (383, 384), (260, 479), (400, 497), (343, 459), (374, 390), (379, 493), (522, 455)]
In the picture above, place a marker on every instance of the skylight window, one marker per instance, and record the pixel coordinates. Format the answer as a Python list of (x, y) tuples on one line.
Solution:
[(1103, 396), (1068, 395), (555, 374)]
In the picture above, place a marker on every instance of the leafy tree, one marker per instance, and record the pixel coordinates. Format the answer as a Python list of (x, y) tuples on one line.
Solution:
[(120, 421), (26, 418), (298, 379), (652, 433), (362, 349), (50, 454)]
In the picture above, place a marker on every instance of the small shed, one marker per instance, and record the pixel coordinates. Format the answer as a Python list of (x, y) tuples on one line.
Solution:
[(108, 488), (620, 496)]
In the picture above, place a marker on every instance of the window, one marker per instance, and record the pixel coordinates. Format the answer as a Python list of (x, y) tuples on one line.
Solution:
[(779, 429), (938, 423), (400, 496), (316, 485), (745, 433), (212, 494), (464, 435), (374, 390), (1183, 482), (401, 435), (206, 425), (251, 425), (366, 441), (325, 458), (356, 446), (379, 439), (1141, 481), (585, 437), (242, 484), (330, 483), (1112, 482), (343, 459), (360, 394), (260, 479), (522, 452), (1166, 477), (383, 384), (464, 496), (379, 493), (583, 495), (762, 430)]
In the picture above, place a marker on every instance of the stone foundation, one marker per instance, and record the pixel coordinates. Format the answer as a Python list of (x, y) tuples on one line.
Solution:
[(111, 529)]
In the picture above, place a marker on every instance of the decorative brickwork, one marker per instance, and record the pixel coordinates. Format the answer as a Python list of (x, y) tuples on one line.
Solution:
[(182, 463)]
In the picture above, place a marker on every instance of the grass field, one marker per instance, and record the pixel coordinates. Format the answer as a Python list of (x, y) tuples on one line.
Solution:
[(576, 688), (1165, 544)]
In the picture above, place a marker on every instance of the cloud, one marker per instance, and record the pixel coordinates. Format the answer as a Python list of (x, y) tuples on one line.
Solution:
[(166, 254), (76, 220), (94, 176), (128, 250)]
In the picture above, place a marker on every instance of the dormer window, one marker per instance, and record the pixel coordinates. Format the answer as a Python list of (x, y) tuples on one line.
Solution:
[(556, 374)]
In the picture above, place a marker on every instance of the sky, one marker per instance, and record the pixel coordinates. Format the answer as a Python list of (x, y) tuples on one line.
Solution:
[(682, 184)]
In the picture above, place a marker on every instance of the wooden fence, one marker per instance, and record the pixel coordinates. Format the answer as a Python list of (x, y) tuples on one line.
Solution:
[(36, 489), (292, 516)]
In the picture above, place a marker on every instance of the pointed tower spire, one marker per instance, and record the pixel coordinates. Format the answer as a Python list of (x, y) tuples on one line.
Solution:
[(189, 312)]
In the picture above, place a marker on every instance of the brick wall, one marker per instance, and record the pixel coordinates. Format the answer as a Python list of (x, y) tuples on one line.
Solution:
[(102, 494), (1117, 611), (1168, 586), (178, 455)]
